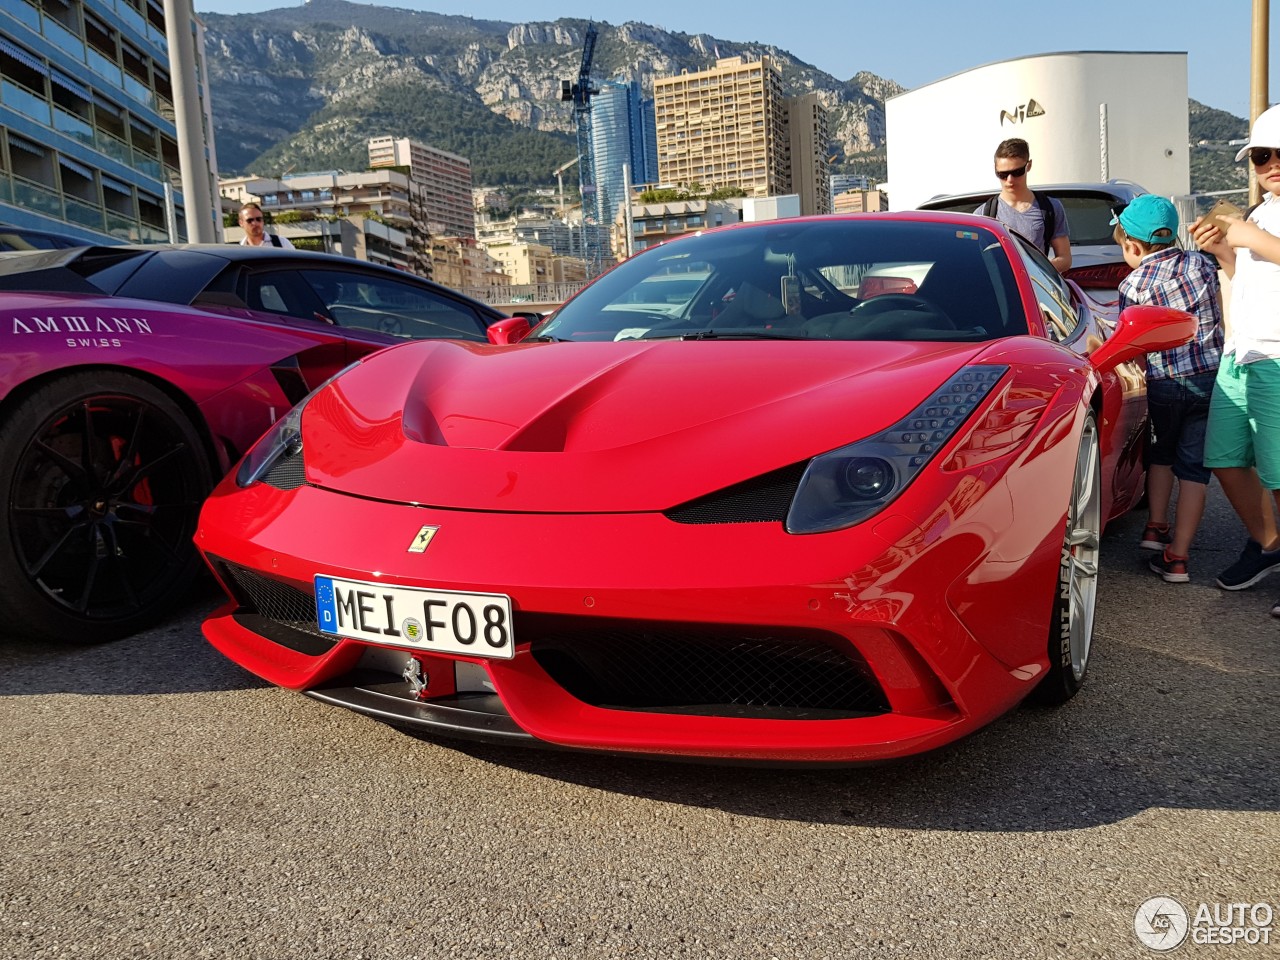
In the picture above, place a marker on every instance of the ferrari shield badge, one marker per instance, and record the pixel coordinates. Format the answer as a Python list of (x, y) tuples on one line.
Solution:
[(422, 540)]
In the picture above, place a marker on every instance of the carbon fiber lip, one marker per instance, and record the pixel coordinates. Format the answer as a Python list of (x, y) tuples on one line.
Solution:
[(473, 716)]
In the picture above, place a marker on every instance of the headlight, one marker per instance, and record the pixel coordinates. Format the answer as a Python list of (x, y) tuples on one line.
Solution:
[(848, 485), (284, 439)]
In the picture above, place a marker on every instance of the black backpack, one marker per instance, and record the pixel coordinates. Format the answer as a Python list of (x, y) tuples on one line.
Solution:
[(1046, 211), (275, 241)]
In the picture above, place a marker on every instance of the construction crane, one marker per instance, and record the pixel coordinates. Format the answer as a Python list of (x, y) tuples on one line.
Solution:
[(579, 92), (558, 173)]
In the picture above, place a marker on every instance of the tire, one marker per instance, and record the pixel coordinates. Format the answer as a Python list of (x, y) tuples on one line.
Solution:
[(1075, 595), (101, 480)]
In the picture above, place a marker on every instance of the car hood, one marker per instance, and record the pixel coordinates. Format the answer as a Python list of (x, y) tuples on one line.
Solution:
[(590, 427)]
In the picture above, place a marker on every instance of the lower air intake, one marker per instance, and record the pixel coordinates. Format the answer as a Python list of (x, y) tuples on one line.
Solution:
[(686, 669)]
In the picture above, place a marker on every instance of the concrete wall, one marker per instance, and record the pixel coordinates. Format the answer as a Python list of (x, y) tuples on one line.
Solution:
[(770, 208), (941, 137)]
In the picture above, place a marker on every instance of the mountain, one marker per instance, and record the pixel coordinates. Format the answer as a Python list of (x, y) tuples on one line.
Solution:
[(1213, 164), (302, 88)]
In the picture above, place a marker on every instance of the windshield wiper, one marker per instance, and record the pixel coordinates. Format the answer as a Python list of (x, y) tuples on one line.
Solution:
[(741, 335)]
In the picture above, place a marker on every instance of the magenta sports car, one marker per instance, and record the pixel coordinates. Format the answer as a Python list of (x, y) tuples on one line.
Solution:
[(136, 378)]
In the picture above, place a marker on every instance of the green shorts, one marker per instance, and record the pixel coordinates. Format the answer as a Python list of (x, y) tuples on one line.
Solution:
[(1244, 419)]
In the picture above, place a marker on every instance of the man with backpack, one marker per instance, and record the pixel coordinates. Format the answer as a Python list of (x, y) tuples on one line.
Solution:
[(1039, 218)]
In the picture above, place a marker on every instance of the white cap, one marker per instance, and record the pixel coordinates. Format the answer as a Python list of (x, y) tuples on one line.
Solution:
[(1265, 133)]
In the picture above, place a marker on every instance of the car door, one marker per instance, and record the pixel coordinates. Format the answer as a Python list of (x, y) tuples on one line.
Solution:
[(282, 293), (370, 305), (1075, 321)]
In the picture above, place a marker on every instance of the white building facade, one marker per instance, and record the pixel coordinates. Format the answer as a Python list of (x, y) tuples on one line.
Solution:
[(1087, 116)]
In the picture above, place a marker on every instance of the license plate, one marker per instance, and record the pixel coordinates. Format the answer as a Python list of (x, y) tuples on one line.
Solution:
[(441, 621)]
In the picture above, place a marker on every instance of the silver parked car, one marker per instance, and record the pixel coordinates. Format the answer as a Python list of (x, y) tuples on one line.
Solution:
[(1096, 261)]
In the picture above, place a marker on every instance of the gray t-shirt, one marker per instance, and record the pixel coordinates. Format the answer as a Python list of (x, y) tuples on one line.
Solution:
[(1029, 223)]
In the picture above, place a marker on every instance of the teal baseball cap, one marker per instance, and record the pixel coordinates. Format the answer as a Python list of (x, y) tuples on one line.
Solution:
[(1149, 218)]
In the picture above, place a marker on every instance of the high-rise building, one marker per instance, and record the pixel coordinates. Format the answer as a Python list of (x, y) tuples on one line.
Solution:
[(730, 126), (445, 179), (622, 132), (810, 135), (724, 127), (88, 139)]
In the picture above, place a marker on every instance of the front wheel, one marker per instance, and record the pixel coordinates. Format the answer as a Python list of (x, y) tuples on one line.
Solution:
[(1076, 593), (101, 480)]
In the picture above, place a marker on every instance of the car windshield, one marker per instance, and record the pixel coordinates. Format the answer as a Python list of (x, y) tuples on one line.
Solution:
[(858, 278)]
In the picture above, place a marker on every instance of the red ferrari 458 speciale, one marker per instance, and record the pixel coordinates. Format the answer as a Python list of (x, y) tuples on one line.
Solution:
[(820, 490)]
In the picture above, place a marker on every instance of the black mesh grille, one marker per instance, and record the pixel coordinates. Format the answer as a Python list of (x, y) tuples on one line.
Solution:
[(687, 668), (287, 473), (758, 500), (277, 610)]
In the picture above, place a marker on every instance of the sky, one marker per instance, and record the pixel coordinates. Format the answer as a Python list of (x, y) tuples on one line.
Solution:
[(916, 42)]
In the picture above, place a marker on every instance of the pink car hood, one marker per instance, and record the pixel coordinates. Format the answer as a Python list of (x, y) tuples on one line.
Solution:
[(591, 427)]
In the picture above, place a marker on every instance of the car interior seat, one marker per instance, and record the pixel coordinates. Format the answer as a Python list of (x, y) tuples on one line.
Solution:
[(752, 307)]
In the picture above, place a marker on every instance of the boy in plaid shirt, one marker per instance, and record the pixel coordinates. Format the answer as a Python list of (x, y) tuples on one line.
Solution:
[(1179, 381)]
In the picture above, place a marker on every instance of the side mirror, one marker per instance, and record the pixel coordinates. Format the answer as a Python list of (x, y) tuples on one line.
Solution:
[(510, 330), (1143, 330), (532, 316)]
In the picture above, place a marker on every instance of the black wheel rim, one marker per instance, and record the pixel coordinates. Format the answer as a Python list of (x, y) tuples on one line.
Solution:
[(105, 501)]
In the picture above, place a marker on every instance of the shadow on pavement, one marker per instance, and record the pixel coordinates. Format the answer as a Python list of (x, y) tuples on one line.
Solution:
[(171, 658), (1179, 712)]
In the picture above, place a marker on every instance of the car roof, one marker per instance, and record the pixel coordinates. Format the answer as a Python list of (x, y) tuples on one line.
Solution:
[(56, 269), (235, 253), (1124, 190)]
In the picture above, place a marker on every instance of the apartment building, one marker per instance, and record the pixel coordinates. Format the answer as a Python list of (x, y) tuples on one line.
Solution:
[(88, 140), (809, 133), (527, 263), (564, 237), (725, 126), (462, 264), (859, 201), (653, 223), (444, 179), (386, 196)]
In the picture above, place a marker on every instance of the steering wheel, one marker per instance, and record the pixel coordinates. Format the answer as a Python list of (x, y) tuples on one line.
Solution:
[(903, 301), (389, 324)]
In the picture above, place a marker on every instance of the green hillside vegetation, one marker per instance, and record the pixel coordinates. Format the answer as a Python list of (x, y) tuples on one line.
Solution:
[(500, 151), (1206, 123)]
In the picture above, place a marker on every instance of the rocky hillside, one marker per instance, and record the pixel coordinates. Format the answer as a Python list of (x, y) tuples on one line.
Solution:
[(303, 87)]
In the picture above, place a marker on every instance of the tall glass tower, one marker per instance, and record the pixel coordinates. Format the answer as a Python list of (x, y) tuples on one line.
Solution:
[(623, 131), (88, 141)]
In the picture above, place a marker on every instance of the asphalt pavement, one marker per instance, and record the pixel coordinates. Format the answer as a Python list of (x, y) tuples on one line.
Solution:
[(157, 801)]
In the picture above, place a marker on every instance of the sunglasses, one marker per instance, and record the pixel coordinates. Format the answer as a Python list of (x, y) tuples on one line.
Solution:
[(252, 219), (1016, 172), (1260, 156)]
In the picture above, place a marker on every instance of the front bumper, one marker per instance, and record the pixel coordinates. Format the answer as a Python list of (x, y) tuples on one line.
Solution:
[(627, 624)]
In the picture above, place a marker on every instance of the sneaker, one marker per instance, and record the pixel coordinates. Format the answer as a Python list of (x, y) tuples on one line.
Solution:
[(1155, 537), (1171, 569), (1254, 564)]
